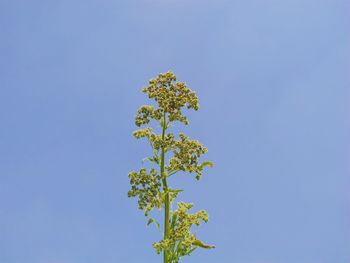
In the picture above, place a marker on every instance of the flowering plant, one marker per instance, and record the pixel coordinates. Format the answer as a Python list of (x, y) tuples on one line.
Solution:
[(150, 186)]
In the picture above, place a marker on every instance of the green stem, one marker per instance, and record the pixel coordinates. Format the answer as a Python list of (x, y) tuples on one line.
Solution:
[(165, 187)]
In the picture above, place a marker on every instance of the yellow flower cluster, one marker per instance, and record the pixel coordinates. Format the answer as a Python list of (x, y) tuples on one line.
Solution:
[(186, 152), (181, 241), (155, 140), (171, 96), (146, 186), (186, 156), (147, 112)]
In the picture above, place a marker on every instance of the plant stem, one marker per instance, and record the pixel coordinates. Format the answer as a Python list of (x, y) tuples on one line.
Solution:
[(165, 187)]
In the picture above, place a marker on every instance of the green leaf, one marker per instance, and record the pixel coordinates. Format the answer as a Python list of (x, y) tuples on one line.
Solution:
[(175, 190), (173, 221), (179, 248), (153, 159), (190, 251), (207, 163), (152, 220), (199, 243)]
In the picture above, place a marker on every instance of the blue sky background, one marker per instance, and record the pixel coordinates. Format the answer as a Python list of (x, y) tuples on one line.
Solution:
[(273, 82)]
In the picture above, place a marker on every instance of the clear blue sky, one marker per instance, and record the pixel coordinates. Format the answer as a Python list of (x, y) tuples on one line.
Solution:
[(273, 82)]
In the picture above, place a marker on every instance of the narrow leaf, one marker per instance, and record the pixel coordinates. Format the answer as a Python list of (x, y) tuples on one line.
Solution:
[(207, 163), (152, 220), (199, 243)]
